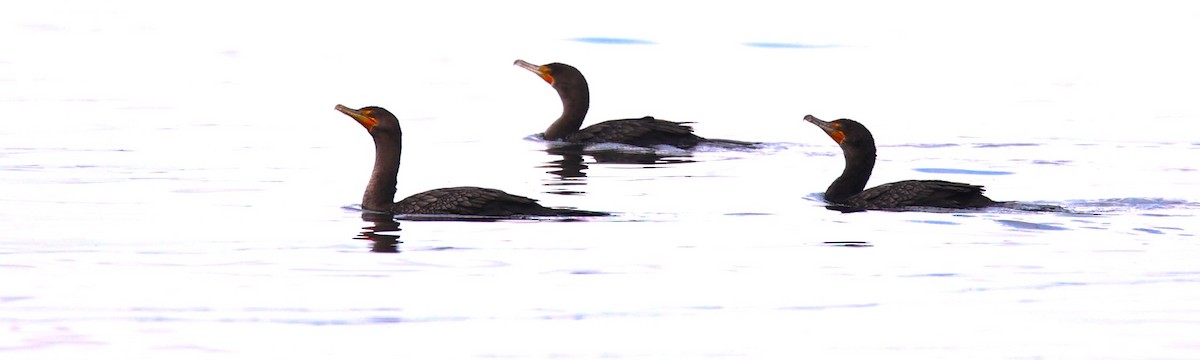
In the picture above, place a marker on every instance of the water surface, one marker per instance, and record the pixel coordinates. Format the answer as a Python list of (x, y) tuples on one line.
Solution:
[(176, 189)]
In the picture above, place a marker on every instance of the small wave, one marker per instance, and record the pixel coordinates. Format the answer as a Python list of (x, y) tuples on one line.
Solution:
[(715, 145), (832, 306), (613, 41), (1029, 225), (749, 214), (358, 208), (1125, 204), (5, 299), (848, 243), (924, 146), (1005, 145), (961, 171), (935, 222), (565, 146), (933, 275), (780, 45)]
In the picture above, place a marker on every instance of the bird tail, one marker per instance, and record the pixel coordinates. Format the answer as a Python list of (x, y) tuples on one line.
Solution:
[(1023, 206), (576, 212), (731, 143)]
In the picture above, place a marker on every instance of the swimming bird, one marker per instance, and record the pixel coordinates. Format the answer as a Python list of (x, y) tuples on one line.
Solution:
[(646, 131), (466, 200), (858, 146)]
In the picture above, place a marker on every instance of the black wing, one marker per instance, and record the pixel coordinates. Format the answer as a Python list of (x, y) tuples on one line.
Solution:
[(646, 131), (469, 200), (923, 193)]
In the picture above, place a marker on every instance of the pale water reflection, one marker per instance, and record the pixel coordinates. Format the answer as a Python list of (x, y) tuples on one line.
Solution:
[(174, 189)]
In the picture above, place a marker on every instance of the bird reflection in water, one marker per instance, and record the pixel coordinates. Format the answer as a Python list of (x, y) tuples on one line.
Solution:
[(380, 243), (569, 169)]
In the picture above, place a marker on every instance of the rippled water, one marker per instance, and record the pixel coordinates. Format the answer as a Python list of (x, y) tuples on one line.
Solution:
[(172, 188)]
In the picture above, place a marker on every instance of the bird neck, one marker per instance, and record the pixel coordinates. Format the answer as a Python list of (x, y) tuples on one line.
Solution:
[(381, 189), (859, 164), (575, 101)]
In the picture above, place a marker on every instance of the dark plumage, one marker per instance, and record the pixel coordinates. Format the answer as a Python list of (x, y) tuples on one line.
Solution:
[(470, 200), (846, 191), (647, 131), (381, 189), (923, 193)]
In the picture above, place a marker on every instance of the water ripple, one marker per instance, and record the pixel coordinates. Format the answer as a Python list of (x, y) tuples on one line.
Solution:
[(780, 45), (961, 171), (935, 222), (613, 41), (985, 145), (1029, 226), (848, 243), (1124, 204), (826, 307)]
